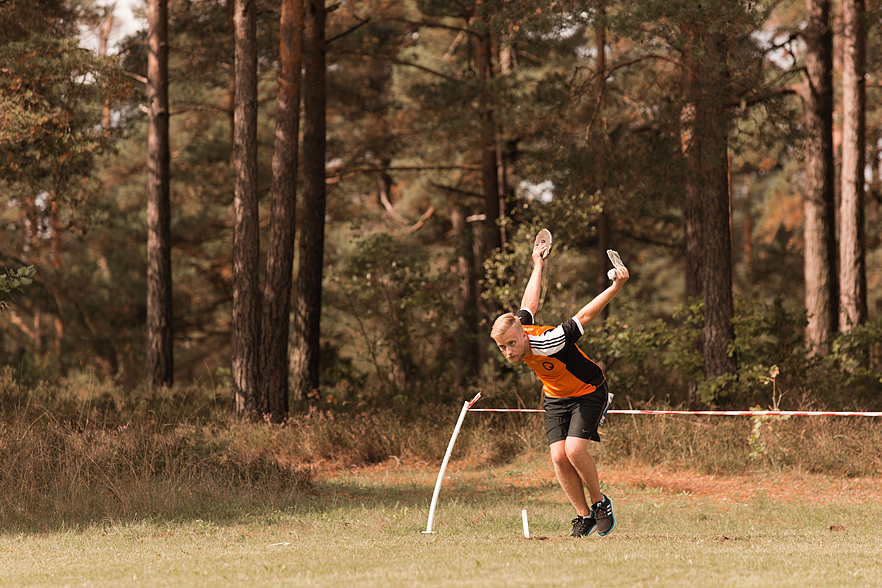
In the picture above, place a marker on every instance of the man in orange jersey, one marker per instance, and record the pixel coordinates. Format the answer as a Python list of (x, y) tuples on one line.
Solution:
[(575, 395)]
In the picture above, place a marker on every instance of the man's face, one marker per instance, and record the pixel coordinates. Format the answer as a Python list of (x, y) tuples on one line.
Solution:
[(514, 344)]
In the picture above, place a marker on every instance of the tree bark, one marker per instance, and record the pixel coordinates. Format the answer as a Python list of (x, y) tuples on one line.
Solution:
[(160, 358), (305, 354), (489, 161), (704, 137), (466, 302), (874, 155), (821, 286), (747, 231), (692, 218), (716, 281), (276, 309), (104, 30), (852, 241), (603, 237), (246, 246), (692, 233)]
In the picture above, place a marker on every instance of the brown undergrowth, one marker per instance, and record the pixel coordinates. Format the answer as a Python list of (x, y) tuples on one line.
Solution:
[(80, 465)]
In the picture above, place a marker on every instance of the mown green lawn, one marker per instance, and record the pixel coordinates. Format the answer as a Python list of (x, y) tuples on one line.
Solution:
[(364, 529)]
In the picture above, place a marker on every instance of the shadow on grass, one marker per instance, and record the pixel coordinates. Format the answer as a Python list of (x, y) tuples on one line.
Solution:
[(524, 481), (268, 493)]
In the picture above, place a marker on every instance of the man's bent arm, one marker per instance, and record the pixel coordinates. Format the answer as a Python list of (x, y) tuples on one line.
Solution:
[(591, 310)]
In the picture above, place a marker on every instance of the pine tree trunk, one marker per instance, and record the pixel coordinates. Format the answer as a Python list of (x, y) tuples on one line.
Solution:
[(104, 31), (852, 243), (306, 337), (276, 308), (706, 209), (160, 358), (245, 343), (749, 260), (692, 234), (874, 195), (489, 162), (603, 237), (466, 304), (711, 121), (821, 291), (692, 215)]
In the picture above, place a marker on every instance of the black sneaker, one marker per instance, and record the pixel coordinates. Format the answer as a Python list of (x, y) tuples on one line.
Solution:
[(583, 526), (603, 515)]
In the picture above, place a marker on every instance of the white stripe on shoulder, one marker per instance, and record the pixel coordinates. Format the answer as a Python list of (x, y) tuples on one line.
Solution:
[(549, 342), (578, 324)]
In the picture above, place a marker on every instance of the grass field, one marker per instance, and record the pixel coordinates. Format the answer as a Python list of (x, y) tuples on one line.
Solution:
[(363, 528)]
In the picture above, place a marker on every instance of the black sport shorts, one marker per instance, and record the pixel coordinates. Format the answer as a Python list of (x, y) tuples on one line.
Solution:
[(575, 417)]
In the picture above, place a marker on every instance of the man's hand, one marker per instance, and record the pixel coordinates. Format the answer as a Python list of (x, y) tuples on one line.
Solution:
[(541, 246), (539, 254), (620, 276)]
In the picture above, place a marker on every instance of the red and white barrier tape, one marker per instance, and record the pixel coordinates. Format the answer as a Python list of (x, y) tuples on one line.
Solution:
[(706, 412), (467, 407)]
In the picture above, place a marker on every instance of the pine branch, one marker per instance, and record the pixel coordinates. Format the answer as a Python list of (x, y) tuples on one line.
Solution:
[(351, 29), (336, 177), (434, 25)]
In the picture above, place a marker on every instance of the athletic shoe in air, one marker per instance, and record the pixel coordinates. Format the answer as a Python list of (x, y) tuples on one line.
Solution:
[(583, 526), (603, 514)]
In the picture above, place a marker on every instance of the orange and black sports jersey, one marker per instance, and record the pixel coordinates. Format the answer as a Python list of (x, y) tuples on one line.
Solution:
[(564, 369)]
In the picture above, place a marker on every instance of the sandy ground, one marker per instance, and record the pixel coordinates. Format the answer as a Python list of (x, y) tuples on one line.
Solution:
[(783, 486)]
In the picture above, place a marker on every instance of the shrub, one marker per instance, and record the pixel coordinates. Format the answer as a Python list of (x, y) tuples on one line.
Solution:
[(656, 360), (78, 474)]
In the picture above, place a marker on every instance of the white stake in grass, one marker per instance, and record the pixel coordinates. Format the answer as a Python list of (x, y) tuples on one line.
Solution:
[(465, 409), (526, 526)]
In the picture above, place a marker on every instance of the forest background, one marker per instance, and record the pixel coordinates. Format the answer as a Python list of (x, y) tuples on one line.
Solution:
[(189, 222)]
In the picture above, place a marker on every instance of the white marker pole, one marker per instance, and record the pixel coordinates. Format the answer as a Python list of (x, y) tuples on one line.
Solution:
[(526, 526), (465, 409)]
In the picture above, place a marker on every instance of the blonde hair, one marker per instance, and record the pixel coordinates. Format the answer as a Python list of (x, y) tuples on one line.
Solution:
[(503, 323)]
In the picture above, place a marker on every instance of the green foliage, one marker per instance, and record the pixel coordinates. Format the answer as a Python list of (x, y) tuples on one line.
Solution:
[(766, 335), (506, 271), (404, 107), (651, 361), (393, 305), (857, 358), (14, 280), (641, 360), (51, 97), (53, 134), (765, 431)]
